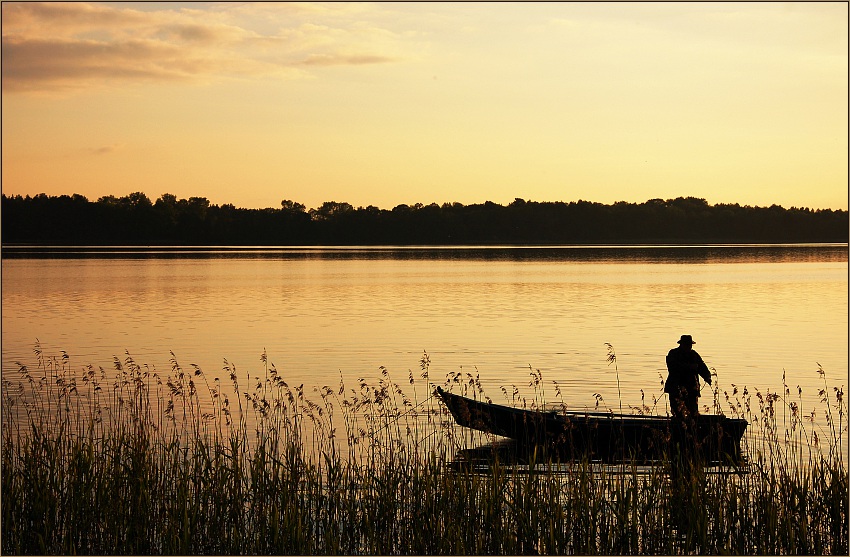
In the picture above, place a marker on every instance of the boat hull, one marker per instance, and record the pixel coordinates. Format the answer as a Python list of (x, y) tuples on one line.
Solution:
[(603, 436)]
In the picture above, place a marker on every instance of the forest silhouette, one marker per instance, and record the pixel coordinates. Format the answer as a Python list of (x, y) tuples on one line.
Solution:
[(136, 220)]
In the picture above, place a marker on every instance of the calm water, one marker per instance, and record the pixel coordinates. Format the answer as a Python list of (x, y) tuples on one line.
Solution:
[(754, 311)]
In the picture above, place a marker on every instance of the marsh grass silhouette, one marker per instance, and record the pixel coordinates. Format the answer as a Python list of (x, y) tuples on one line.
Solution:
[(133, 461)]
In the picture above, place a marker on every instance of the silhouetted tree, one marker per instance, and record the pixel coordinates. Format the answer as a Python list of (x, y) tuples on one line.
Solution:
[(292, 206), (134, 219)]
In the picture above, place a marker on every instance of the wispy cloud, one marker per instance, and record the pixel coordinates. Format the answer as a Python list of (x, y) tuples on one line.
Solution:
[(349, 60), (106, 149), (37, 63), (59, 46)]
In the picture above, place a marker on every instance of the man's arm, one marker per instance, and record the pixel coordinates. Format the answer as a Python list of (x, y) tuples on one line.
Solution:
[(670, 383), (703, 370)]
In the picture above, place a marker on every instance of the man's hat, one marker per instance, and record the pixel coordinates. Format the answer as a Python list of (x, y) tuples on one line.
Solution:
[(686, 339)]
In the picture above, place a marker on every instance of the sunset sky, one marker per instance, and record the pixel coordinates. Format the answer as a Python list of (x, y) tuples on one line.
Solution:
[(382, 104)]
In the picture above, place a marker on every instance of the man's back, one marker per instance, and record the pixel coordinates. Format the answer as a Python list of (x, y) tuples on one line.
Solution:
[(683, 365)]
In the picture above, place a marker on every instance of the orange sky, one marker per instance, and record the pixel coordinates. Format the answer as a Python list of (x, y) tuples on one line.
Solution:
[(382, 104)]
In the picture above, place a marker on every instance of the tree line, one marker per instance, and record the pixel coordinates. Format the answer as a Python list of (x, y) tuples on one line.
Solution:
[(136, 220)]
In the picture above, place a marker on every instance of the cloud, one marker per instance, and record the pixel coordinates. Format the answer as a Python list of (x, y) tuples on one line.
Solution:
[(63, 19), (59, 47), (37, 63), (106, 149), (344, 60)]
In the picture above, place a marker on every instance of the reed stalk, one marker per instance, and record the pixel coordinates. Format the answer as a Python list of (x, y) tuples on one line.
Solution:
[(131, 461)]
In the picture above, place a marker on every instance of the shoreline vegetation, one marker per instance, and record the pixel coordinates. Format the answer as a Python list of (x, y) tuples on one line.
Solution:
[(135, 461), (136, 220)]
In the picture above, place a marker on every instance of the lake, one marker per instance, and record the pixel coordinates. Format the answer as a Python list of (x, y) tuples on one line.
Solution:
[(321, 313)]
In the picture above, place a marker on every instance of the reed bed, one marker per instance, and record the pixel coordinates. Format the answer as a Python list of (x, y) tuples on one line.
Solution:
[(132, 461)]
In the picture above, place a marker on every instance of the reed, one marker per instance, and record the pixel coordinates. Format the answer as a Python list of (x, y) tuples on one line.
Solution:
[(133, 461)]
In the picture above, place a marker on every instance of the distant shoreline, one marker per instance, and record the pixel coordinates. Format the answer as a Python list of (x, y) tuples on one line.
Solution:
[(134, 220), (407, 247), (822, 252)]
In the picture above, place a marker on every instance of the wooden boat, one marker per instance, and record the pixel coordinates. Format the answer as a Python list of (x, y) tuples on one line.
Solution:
[(601, 436)]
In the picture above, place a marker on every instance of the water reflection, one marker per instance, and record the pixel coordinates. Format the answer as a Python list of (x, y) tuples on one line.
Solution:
[(773, 253), (323, 312)]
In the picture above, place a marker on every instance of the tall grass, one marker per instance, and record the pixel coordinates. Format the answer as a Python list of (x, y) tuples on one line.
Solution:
[(132, 461)]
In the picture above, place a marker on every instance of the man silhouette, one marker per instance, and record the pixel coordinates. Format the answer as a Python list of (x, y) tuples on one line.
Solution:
[(684, 367)]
